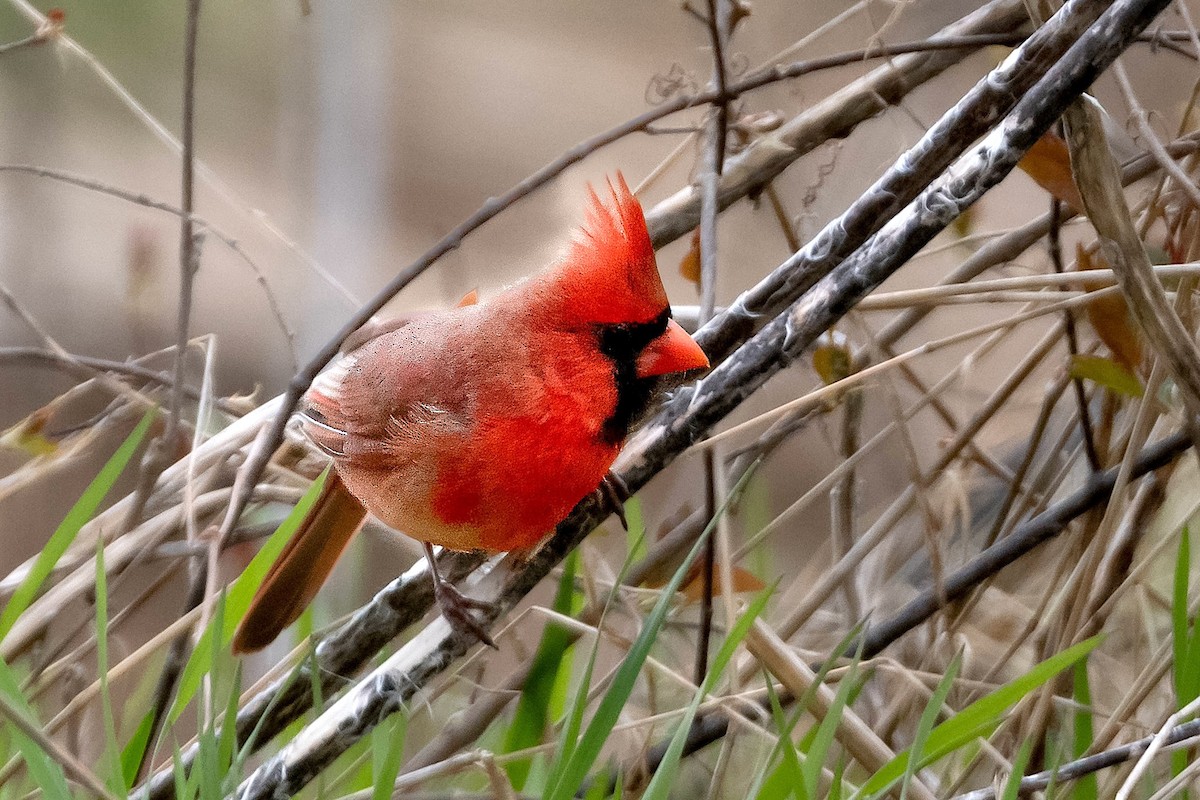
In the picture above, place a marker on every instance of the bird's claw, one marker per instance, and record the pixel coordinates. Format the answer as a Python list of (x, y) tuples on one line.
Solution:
[(455, 608), (613, 493)]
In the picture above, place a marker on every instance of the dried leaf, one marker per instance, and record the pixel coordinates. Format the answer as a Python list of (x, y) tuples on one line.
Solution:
[(27, 435), (1048, 162), (964, 223), (1109, 317), (743, 581), (689, 267), (832, 359)]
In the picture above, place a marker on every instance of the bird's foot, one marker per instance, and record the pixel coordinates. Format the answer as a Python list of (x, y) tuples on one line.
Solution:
[(456, 608), (613, 493)]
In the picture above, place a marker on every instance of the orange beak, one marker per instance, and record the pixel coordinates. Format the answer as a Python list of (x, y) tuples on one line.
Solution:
[(672, 351)]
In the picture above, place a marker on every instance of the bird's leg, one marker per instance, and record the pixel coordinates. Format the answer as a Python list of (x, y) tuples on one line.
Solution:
[(613, 493), (454, 604)]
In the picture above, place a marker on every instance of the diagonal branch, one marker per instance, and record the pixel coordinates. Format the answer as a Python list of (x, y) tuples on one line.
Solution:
[(985, 104)]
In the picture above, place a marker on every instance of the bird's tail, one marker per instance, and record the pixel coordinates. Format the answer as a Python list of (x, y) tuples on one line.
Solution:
[(302, 567)]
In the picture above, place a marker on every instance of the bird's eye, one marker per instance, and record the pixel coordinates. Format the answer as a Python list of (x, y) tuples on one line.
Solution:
[(624, 341)]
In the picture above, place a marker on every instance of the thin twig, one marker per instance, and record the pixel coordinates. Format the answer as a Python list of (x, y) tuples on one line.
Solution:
[(1085, 417), (718, 22), (1073, 770), (140, 199), (189, 264), (87, 366)]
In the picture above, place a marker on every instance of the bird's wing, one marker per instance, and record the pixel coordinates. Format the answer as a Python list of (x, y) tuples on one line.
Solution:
[(386, 398)]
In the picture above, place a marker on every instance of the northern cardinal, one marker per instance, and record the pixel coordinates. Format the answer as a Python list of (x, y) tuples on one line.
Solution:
[(481, 427)]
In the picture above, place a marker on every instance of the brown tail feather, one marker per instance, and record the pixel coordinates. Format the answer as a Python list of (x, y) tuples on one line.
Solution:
[(302, 567)]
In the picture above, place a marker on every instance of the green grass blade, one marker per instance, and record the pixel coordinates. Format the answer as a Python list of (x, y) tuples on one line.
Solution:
[(573, 721), (250, 744), (534, 708), (569, 740), (1179, 605), (387, 753), (598, 790), (227, 739), (47, 773), (928, 719), (787, 777), (664, 776), (1012, 786), (635, 536), (185, 779), (823, 736), (594, 736), (979, 717), (135, 749), (83, 510), (839, 775), (789, 773), (111, 759), (237, 600), (1185, 638), (1086, 788)]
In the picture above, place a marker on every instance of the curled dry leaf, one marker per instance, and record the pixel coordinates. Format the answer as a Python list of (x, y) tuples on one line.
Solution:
[(693, 586), (1109, 317), (689, 266), (1048, 162)]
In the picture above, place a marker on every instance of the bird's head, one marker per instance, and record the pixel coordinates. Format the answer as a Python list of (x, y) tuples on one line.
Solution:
[(609, 282)]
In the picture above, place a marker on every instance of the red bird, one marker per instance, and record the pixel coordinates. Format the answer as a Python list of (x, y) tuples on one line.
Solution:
[(481, 427)]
